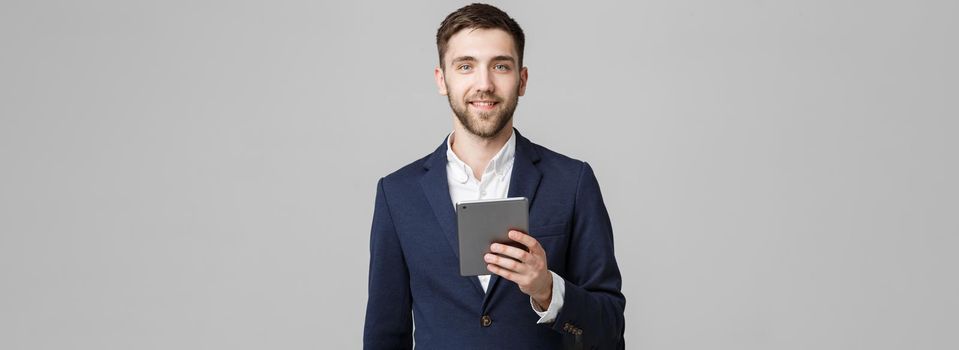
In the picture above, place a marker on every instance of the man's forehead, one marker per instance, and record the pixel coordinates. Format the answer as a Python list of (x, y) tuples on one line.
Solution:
[(481, 44)]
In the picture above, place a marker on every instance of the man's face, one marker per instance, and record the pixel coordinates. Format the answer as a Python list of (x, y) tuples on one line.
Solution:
[(482, 79)]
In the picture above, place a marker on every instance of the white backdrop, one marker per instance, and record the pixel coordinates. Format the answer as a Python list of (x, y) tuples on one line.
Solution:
[(200, 174)]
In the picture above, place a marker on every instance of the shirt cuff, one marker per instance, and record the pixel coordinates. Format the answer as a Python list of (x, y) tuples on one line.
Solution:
[(555, 303)]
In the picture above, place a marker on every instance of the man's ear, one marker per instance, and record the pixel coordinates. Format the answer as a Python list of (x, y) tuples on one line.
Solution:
[(523, 76), (440, 80)]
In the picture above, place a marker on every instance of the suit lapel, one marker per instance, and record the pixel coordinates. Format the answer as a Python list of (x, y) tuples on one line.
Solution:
[(436, 187), (523, 183)]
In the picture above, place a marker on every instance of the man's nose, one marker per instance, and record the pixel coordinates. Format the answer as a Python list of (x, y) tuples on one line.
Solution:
[(484, 81)]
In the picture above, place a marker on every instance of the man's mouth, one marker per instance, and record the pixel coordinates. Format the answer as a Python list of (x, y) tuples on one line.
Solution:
[(483, 105)]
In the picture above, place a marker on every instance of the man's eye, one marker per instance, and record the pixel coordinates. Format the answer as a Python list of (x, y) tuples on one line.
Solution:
[(502, 67), (464, 67)]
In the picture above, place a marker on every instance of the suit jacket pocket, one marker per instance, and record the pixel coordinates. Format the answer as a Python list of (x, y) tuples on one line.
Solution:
[(548, 230)]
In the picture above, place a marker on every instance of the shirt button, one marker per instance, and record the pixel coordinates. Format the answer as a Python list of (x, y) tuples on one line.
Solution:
[(486, 321)]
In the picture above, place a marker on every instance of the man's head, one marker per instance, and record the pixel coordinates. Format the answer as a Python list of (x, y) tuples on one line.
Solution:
[(480, 71)]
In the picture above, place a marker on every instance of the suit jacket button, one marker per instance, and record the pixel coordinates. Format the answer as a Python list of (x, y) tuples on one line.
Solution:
[(486, 321)]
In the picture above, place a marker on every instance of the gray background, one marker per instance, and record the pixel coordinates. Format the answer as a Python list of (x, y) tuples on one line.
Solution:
[(201, 174)]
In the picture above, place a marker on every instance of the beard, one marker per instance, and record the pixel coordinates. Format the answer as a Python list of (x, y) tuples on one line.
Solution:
[(485, 124)]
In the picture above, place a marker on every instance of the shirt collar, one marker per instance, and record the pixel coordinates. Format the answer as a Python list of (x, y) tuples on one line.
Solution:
[(498, 165)]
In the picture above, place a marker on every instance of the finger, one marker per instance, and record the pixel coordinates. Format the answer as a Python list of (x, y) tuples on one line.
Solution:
[(505, 263), (510, 251), (526, 240), (507, 274)]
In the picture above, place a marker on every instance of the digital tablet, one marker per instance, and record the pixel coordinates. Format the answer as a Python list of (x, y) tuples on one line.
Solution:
[(482, 222)]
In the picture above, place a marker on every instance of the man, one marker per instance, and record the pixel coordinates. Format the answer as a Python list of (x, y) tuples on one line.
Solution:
[(565, 291)]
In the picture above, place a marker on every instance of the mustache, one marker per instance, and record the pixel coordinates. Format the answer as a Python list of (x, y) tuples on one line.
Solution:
[(483, 96)]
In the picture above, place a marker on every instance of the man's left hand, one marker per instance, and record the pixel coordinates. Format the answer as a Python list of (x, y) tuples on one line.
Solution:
[(527, 269)]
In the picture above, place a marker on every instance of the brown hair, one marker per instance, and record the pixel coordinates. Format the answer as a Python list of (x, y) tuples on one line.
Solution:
[(478, 16)]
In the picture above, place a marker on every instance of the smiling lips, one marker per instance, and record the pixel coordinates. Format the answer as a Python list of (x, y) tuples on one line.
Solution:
[(484, 105)]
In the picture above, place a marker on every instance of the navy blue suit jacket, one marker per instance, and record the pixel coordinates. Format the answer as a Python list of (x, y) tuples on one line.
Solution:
[(414, 262)]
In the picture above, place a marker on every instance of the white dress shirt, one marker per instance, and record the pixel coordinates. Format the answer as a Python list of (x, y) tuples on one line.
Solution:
[(495, 184)]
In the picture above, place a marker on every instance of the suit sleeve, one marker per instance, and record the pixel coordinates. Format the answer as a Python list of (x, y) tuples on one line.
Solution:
[(389, 320), (592, 313)]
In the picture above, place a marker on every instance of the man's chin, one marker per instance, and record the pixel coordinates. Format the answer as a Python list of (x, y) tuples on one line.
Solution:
[(487, 131), (484, 124)]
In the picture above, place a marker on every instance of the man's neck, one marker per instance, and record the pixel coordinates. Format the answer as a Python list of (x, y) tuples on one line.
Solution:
[(477, 151)]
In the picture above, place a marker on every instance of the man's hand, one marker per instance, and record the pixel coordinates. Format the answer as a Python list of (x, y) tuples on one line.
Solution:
[(527, 269)]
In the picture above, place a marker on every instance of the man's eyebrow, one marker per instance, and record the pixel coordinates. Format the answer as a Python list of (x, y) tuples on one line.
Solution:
[(463, 59), (504, 58)]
